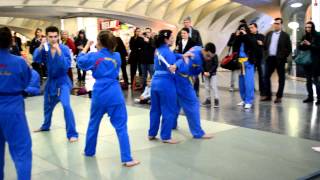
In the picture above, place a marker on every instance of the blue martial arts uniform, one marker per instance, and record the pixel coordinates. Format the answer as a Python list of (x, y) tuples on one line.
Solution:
[(58, 86), (163, 95), (246, 79), (33, 88), (107, 98), (14, 77), (187, 98)]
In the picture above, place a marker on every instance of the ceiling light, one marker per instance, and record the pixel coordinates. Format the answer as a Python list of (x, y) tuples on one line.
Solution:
[(296, 5), (293, 25)]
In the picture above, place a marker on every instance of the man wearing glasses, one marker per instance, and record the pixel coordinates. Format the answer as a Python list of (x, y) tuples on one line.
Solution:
[(57, 59), (278, 48)]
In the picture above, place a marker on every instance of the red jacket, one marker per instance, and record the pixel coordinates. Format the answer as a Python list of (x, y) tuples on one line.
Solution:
[(70, 44)]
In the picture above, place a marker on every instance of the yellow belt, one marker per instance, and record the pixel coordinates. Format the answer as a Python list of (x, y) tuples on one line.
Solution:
[(242, 61), (186, 76)]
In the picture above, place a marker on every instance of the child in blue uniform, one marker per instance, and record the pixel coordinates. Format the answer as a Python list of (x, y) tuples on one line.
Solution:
[(57, 58), (187, 97), (33, 88), (15, 76), (107, 96), (163, 89)]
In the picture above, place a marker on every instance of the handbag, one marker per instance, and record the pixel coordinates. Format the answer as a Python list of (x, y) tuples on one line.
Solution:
[(303, 58), (230, 61)]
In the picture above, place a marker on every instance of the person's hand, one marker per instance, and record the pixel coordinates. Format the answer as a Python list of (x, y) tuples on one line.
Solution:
[(80, 47), (260, 42), (307, 43), (141, 98), (56, 47), (243, 31), (43, 41), (173, 68), (237, 33), (86, 48), (206, 74)]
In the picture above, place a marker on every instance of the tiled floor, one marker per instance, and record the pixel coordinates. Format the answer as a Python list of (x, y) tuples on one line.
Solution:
[(235, 152)]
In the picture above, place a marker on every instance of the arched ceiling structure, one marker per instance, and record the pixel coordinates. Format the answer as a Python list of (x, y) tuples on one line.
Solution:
[(214, 18)]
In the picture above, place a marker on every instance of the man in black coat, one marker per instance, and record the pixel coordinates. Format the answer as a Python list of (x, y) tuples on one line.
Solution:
[(185, 42), (259, 63), (277, 49), (121, 49)]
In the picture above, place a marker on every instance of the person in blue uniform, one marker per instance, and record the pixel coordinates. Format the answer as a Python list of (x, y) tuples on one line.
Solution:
[(163, 89), (107, 96), (247, 48), (33, 88), (57, 59), (15, 76), (187, 98)]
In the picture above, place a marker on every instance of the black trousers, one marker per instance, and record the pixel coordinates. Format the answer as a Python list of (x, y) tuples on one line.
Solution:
[(262, 75), (312, 79), (273, 63), (81, 76), (133, 71), (124, 72), (196, 85)]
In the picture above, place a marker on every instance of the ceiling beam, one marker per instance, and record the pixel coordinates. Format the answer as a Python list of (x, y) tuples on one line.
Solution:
[(108, 3), (55, 1), (132, 4), (82, 2), (25, 2)]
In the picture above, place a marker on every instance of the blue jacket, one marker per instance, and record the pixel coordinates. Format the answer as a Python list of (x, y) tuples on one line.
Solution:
[(105, 66), (15, 76), (57, 68), (34, 85)]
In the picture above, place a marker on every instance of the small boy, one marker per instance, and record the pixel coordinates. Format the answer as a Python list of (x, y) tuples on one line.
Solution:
[(210, 80)]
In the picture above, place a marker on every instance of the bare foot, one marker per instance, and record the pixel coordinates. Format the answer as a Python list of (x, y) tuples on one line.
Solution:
[(152, 138), (171, 141), (131, 163), (73, 139), (207, 136)]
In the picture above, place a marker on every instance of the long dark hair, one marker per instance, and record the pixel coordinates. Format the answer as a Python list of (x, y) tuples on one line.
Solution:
[(313, 27), (84, 35), (162, 36)]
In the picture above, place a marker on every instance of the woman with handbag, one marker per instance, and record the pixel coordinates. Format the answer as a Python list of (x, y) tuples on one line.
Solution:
[(311, 42)]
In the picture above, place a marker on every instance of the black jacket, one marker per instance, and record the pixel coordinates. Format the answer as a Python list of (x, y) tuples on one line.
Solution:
[(211, 66), (136, 46), (284, 45), (260, 48), (195, 36), (148, 52), (35, 43), (188, 46), (122, 50), (250, 46), (314, 39), (79, 42)]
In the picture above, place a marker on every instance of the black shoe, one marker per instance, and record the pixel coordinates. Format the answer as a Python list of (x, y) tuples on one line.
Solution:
[(216, 103), (278, 100), (265, 98), (318, 102), (207, 102), (308, 100)]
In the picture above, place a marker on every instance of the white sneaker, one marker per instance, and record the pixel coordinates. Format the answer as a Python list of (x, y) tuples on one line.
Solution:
[(240, 103), (316, 149), (247, 106)]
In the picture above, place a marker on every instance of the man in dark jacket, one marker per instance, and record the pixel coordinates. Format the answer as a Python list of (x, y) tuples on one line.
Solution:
[(185, 43), (277, 49), (147, 56), (259, 63), (123, 53)]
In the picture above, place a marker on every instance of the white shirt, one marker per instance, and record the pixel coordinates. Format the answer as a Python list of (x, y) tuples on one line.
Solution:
[(273, 48), (184, 43)]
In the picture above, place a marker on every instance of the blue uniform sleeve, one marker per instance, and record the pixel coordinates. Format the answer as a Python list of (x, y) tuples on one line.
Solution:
[(85, 61), (178, 55), (182, 66), (34, 85), (64, 60), (25, 74), (38, 55)]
